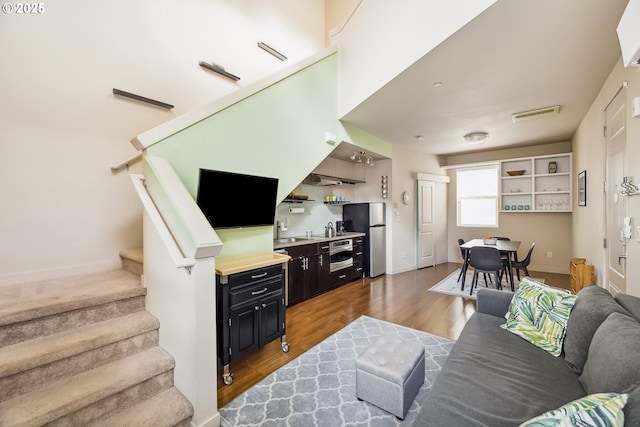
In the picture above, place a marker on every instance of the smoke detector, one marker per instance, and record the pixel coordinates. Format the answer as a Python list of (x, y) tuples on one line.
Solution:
[(535, 114)]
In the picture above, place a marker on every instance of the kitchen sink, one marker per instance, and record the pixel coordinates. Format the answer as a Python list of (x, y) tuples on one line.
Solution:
[(290, 239)]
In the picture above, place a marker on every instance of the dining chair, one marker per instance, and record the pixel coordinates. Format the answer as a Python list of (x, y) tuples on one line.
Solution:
[(505, 259), (522, 265), (464, 253), (485, 260)]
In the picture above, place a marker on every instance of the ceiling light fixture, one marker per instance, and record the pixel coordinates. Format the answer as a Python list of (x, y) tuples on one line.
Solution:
[(438, 84), (369, 161), (476, 137), (420, 137)]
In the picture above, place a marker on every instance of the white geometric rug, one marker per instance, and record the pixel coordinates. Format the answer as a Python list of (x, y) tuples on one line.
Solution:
[(318, 387), (451, 286)]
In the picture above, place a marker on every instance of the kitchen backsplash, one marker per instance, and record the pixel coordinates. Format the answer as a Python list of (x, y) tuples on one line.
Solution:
[(316, 213)]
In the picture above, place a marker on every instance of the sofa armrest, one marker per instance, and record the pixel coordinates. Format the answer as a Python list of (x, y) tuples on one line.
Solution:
[(493, 302)]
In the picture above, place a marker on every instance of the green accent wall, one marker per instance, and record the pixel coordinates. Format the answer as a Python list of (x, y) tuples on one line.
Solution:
[(277, 132)]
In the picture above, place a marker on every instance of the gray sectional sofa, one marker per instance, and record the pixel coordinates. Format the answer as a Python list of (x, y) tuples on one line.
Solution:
[(495, 378)]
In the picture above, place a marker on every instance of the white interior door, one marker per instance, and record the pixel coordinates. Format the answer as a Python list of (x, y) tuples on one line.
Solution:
[(615, 203), (431, 220), (426, 223)]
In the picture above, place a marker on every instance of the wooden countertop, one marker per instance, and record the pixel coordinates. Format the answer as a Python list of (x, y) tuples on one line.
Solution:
[(239, 263)]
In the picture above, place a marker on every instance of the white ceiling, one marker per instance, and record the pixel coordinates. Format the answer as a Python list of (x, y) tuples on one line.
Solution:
[(518, 55)]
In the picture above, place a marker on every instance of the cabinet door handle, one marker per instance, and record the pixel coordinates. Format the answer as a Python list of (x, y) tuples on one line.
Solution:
[(258, 276), (343, 276), (261, 291), (358, 253)]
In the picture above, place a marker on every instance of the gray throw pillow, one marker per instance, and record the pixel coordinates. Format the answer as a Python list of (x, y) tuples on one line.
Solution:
[(593, 305), (613, 365), (630, 303)]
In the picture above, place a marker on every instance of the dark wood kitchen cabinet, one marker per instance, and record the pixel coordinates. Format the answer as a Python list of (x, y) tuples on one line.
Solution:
[(358, 258), (250, 305), (304, 267), (324, 267)]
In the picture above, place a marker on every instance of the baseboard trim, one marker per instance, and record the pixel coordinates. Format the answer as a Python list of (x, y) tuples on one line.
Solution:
[(211, 422), (54, 273)]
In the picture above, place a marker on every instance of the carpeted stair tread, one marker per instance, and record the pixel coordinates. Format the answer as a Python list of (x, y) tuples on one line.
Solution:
[(28, 301), (165, 409), (134, 254), (71, 394), (36, 352)]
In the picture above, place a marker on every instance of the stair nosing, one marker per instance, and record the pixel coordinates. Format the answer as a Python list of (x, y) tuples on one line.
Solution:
[(171, 394), (86, 291), (51, 348), (63, 397)]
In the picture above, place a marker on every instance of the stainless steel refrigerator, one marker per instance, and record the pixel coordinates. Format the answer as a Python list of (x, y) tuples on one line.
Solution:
[(369, 218)]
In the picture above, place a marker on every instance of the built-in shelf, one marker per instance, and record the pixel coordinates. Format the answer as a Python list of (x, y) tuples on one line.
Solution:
[(543, 187), (337, 202), (290, 200)]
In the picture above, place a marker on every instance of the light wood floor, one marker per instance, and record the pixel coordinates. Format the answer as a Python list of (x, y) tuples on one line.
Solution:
[(401, 298)]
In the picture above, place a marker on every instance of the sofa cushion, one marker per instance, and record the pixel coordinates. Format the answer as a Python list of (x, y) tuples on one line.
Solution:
[(593, 305), (612, 364), (595, 410), (494, 378), (539, 313), (632, 408), (629, 303)]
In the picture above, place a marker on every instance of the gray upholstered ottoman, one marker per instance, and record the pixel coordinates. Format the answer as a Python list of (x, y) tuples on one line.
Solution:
[(389, 374)]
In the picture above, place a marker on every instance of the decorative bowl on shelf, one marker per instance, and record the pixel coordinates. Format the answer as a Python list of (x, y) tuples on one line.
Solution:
[(516, 173)]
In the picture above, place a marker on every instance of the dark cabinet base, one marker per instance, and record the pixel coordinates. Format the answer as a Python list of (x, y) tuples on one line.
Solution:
[(251, 312)]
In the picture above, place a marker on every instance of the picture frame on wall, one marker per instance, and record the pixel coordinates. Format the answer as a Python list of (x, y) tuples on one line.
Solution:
[(582, 188)]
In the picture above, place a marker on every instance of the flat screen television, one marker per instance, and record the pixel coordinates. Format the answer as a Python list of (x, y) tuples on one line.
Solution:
[(234, 200)]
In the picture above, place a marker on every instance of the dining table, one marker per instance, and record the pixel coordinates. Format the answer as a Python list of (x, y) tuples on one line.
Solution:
[(509, 247)]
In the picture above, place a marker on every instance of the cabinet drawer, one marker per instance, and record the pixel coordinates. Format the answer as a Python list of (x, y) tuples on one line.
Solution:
[(248, 293), (254, 276), (340, 277)]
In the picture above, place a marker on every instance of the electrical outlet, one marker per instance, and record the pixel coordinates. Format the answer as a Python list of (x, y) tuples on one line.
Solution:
[(549, 254)]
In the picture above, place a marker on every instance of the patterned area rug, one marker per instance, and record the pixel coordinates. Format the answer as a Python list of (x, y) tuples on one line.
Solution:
[(451, 286), (318, 388)]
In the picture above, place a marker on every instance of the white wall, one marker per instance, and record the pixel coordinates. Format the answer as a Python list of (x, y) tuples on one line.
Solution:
[(63, 211), (589, 155), (406, 164)]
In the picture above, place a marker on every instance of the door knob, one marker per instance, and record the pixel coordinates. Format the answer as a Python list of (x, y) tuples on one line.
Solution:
[(621, 257)]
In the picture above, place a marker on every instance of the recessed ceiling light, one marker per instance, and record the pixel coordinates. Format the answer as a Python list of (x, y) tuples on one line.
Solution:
[(476, 137), (438, 84)]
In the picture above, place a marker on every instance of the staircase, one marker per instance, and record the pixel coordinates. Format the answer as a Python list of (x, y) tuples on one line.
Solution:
[(82, 351)]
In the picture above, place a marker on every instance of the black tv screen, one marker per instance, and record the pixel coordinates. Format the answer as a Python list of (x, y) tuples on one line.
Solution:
[(232, 200)]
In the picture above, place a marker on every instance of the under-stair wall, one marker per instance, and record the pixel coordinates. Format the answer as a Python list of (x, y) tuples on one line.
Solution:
[(380, 40)]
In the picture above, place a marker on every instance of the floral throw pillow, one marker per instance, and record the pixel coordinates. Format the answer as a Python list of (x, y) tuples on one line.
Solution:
[(597, 410), (539, 313)]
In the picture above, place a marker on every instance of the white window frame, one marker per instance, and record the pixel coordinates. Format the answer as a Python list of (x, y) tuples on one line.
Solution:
[(487, 197)]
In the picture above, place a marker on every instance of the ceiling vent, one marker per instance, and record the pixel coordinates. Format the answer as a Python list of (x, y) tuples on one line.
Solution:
[(535, 114)]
